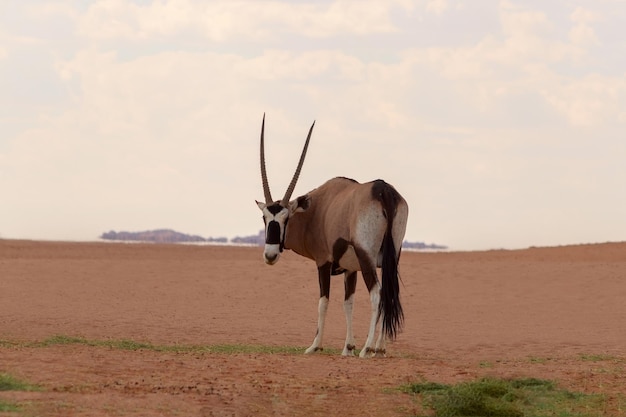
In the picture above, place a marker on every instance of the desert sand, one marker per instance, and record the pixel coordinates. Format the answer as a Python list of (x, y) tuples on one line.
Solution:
[(540, 312)]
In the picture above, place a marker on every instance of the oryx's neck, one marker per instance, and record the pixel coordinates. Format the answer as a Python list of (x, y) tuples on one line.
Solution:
[(297, 236), (328, 210)]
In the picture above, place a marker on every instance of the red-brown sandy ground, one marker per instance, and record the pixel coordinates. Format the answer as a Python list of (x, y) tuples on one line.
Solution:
[(557, 313)]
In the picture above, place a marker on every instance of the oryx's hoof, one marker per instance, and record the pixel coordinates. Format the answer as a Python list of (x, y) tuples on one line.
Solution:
[(380, 353), (313, 349), (367, 352), (349, 350)]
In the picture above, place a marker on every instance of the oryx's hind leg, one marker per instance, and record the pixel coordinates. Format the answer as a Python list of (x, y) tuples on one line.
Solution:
[(381, 345), (348, 303), (368, 269), (324, 279)]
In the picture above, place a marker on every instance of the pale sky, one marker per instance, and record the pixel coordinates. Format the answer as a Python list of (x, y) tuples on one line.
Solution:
[(502, 123)]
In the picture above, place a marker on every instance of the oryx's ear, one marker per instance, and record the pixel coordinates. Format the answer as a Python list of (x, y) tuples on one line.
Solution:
[(261, 205), (301, 203)]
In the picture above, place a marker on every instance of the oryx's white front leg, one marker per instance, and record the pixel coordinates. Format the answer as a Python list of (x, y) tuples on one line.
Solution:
[(368, 349), (322, 307), (349, 347)]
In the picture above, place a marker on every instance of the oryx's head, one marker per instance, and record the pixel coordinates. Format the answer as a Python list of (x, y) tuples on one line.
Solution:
[(276, 213)]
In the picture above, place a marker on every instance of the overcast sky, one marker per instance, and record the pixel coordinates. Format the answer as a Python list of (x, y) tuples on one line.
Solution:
[(502, 123)]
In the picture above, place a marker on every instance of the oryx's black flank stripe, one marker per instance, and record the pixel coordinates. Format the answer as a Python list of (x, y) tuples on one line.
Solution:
[(339, 249), (368, 270)]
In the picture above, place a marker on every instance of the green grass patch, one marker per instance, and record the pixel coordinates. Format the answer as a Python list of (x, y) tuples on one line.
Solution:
[(505, 398), (125, 344), (6, 344), (10, 383), (122, 344), (8, 407), (598, 358)]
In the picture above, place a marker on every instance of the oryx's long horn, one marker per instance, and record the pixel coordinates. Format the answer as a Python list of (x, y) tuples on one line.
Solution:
[(292, 186), (266, 186)]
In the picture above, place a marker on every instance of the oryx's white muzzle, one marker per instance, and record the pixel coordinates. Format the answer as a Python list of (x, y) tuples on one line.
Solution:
[(271, 253)]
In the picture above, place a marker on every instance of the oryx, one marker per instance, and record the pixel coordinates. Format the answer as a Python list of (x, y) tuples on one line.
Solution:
[(345, 227)]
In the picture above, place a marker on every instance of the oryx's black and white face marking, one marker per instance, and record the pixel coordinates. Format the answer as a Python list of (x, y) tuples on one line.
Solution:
[(275, 218)]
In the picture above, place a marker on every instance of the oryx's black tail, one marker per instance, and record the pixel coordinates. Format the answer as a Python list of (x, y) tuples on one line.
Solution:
[(389, 308)]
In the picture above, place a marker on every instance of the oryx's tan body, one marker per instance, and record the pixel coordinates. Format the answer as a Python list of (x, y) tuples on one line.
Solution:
[(344, 209)]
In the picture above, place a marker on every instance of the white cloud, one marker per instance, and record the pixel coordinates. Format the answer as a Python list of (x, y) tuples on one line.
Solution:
[(437, 6), (51, 9), (583, 15), (582, 33), (498, 69), (530, 37), (589, 101), (222, 20), (290, 66), (519, 21), (4, 51)]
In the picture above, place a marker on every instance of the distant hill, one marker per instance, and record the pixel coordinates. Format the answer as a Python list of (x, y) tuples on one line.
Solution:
[(258, 239), (171, 236), (159, 236), (422, 246)]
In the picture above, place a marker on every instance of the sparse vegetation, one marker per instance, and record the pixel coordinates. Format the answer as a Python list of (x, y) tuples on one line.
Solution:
[(8, 407), (10, 383), (483, 397), (505, 398), (125, 344), (598, 357)]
